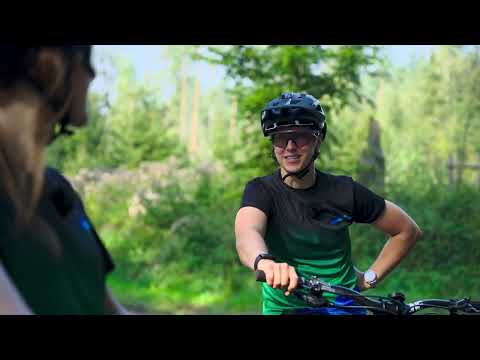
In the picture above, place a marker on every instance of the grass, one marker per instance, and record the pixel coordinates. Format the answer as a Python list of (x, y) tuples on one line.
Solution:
[(200, 294), (185, 294)]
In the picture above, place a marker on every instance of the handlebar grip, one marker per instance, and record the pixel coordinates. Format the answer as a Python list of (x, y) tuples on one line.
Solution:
[(260, 276)]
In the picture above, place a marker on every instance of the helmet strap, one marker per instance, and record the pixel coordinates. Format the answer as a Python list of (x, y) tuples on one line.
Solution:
[(302, 173)]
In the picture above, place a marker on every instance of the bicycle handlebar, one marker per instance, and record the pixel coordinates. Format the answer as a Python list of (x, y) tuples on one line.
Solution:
[(316, 287), (393, 304)]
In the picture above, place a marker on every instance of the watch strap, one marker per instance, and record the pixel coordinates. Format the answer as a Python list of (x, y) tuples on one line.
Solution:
[(262, 256)]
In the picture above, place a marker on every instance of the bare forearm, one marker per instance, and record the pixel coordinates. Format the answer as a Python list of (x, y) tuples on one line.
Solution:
[(394, 251), (112, 306), (11, 302), (13, 306), (249, 244)]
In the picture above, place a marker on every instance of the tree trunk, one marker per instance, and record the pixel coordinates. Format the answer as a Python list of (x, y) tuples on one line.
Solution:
[(183, 104), (372, 161), (195, 111), (233, 120)]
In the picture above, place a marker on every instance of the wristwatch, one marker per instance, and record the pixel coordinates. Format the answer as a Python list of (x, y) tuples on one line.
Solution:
[(370, 277), (260, 257)]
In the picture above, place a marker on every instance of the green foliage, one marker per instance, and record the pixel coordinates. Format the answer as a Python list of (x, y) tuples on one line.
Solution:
[(179, 257), (429, 113), (184, 234), (261, 73), (81, 149), (449, 221), (132, 129)]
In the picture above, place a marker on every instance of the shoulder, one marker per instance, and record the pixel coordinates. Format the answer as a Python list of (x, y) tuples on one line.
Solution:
[(257, 194), (58, 190), (55, 181), (266, 178), (54, 176), (262, 182), (254, 185)]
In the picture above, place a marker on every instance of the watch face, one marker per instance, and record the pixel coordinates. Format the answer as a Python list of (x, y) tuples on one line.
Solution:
[(370, 276)]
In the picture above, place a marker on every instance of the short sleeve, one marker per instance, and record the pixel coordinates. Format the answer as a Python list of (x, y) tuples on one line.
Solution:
[(108, 260), (66, 200), (367, 206), (256, 196)]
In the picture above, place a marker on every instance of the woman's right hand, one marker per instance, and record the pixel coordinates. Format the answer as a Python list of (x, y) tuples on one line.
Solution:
[(279, 275)]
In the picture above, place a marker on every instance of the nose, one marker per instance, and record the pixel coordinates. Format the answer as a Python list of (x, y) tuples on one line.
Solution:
[(291, 144)]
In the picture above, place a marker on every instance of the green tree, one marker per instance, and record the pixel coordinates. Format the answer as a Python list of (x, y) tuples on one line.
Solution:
[(133, 128), (430, 112), (261, 73), (82, 149)]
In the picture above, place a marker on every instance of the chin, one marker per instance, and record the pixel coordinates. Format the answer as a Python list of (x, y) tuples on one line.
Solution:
[(292, 169)]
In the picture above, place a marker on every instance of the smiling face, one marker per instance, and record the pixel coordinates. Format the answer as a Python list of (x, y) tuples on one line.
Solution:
[(294, 148)]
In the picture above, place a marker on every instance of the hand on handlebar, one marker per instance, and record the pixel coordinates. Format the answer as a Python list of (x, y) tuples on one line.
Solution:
[(362, 285), (361, 280), (279, 275)]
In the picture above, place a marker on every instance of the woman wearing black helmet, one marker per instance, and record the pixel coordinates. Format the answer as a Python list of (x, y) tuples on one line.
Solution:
[(51, 259), (295, 221)]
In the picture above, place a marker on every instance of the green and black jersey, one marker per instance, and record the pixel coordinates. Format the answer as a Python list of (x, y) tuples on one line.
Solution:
[(59, 265), (309, 228)]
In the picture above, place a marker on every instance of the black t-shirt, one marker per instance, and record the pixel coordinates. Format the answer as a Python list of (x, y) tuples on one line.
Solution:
[(309, 228), (59, 264), (330, 194)]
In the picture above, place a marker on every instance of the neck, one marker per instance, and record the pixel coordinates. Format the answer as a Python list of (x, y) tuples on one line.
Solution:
[(21, 157), (303, 183)]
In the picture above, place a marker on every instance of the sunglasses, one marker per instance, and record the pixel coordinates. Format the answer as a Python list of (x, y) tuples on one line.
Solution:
[(300, 139)]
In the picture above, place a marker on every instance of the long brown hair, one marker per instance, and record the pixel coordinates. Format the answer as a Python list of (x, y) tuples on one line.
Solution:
[(31, 79)]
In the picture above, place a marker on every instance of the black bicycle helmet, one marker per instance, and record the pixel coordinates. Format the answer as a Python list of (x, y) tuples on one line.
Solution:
[(293, 109)]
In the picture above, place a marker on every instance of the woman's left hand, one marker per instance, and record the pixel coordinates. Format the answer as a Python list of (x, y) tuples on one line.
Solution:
[(360, 280)]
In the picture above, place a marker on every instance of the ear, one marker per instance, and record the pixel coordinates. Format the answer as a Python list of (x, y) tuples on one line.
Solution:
[(47, 68), (274, 157)]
